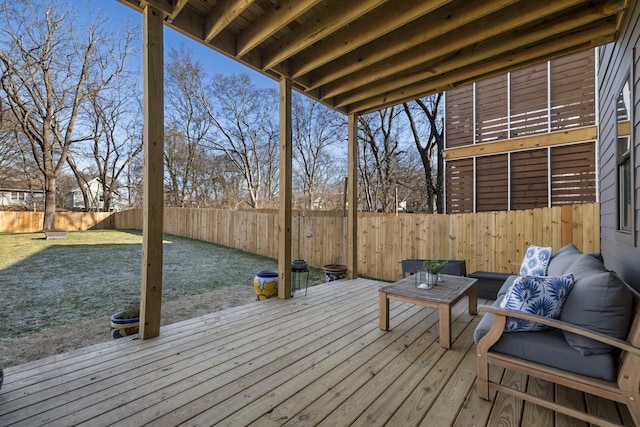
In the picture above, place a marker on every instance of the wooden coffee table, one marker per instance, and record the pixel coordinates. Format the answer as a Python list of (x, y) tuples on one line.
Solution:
[(442, 296)]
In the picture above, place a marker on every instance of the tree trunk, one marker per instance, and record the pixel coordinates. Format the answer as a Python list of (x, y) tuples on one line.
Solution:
[(49, 203)]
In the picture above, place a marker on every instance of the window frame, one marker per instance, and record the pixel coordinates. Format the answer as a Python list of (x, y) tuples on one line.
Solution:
[(625, 225)]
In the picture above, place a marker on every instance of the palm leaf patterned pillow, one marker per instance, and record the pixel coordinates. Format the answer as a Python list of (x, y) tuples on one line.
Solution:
[(535, 261), (543, 296)]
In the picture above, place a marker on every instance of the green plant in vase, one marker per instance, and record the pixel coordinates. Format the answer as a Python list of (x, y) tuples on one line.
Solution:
[(434, 268)]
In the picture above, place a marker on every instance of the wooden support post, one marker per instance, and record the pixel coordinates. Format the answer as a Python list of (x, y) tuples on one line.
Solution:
[(352, 199), (286, 193), (153, 137)]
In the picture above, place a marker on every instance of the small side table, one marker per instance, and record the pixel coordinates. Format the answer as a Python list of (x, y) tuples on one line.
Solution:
[(297, 280)]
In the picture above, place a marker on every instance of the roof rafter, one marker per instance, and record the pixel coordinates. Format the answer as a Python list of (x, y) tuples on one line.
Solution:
[(498, 65), (362, 32), (408, 38), (356, 55), (223, 14), (323, 25), (467, 36), (271, 21)]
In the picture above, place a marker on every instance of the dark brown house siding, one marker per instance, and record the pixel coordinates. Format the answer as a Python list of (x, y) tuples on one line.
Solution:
[(618, 61), (551, 97)]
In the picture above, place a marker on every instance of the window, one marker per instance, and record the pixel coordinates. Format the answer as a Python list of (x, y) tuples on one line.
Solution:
[(623, 156), (17, 196)]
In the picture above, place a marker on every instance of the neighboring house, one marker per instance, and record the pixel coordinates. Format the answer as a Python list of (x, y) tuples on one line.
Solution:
[(95, 191), (21, 195), (523, 140)]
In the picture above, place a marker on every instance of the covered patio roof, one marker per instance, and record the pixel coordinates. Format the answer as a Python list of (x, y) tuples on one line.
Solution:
[(362, 55), (355, 56)]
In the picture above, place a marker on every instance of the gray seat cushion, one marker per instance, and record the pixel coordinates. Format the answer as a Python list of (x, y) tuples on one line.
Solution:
[(599, 301), (549, 348), (562, 260)]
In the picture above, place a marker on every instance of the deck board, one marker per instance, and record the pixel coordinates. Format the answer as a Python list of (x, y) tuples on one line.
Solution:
[(318, 359)]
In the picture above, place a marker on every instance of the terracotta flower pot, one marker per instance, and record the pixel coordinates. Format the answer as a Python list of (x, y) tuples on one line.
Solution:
[(334, 272)]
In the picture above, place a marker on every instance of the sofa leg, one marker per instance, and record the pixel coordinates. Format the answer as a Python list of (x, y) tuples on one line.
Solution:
[(633, 404), (482, 382)]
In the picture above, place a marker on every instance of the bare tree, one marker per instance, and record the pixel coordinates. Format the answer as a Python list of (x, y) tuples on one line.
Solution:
[(316, 129), (246, 133), (427, 129), (378, 162), (116, 141), (188, 124), (49, 68)]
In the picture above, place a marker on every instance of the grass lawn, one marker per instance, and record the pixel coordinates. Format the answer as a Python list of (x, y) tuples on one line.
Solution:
[(90, 274)]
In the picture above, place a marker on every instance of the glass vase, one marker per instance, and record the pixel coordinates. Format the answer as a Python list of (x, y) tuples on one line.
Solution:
[(424, 279)]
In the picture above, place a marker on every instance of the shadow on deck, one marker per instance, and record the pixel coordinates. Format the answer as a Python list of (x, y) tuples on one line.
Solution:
[(315, 359)]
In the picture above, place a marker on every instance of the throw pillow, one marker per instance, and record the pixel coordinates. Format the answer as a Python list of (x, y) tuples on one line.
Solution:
[(601, 302), (535, 261), (543, 296)]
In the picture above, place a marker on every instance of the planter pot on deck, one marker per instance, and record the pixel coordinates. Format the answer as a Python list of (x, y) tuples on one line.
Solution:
[(334, 272), (123, 326), (265, 283)]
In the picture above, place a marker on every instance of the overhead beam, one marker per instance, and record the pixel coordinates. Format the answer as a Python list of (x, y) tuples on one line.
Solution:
[(393, 15), (164, 6), (269, 23), (222, 15), (470, 74), (470, 35), (324, 24), (177, 8), (286, 191), (519, 49), (153, 203)]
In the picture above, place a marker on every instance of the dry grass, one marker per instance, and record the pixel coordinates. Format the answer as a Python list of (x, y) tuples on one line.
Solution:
[(59, 294)]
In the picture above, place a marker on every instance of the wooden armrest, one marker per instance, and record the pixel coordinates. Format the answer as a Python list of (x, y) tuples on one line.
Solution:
[(554, 323)]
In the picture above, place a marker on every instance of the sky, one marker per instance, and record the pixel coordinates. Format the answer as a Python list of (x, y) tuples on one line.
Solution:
[(213, 62)]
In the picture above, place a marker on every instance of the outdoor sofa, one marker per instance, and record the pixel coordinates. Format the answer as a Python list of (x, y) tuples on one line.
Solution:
[(593, 345)]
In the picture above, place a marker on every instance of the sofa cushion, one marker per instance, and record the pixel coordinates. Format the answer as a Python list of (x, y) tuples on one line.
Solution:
[(543, 296), (549, 348), (599, 301), (507, 285), (535, 261), (562, 259)]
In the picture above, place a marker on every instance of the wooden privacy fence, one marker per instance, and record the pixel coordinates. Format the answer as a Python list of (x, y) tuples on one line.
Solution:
[(31, 222), (489, 241)]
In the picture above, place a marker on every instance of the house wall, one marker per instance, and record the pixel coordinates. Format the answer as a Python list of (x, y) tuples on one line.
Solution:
[(23, 198), (617, 61)]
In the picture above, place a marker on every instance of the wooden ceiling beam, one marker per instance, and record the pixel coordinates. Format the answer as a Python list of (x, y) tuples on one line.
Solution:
[(397, 40), (191, 24), (478, 27), (278, 15), (506, 34), (361, 32), (165, 6), (501, 64), (177, 8), (322, 25), (222, 15)]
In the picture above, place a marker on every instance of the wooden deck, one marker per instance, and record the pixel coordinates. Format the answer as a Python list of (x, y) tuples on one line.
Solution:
[(315, 359)]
